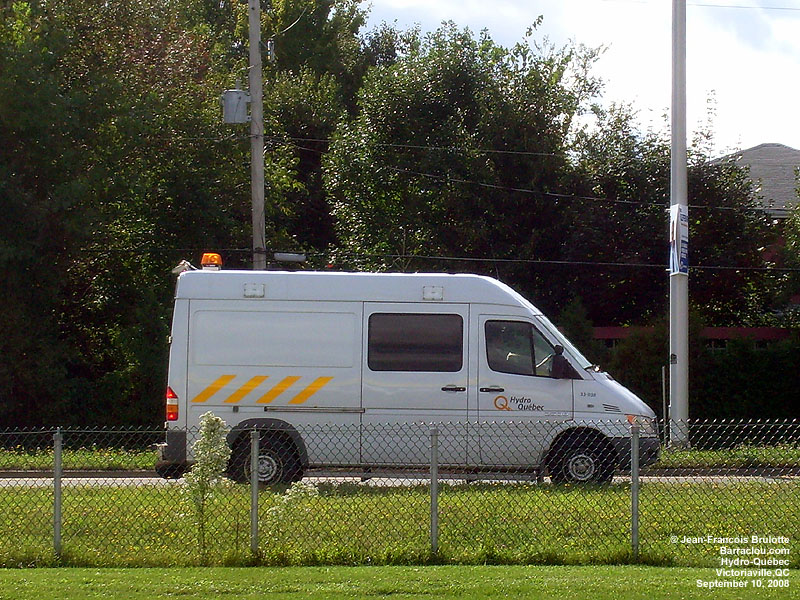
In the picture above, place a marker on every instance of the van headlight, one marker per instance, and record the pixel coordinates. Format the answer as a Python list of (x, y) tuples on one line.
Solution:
[(647, 425)]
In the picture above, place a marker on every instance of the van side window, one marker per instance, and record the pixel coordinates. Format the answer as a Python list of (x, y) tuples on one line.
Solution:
[(516, 347), (415, 342)]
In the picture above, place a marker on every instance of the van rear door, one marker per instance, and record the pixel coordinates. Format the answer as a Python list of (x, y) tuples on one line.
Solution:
[(415, 372), (293, 362)]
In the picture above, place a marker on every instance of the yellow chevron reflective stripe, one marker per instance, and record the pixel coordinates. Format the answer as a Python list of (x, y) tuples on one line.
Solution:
[(316, 385), (284, 385), (248, 387), (219, 383)]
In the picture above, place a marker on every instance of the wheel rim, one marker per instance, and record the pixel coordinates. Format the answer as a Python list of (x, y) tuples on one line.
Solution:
[(581, 467), (268, 468)]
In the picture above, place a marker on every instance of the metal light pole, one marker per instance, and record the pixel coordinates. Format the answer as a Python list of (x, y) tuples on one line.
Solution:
[(679, 242), (257, 137)]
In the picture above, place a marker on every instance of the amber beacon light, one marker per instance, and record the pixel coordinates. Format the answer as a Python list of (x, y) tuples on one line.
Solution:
[(211, 261)]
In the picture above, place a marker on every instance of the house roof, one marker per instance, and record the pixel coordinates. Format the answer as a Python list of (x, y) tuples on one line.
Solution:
[(772, 170)]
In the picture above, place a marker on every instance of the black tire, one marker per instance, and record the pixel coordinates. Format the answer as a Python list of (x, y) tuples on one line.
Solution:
[(278, 461), (580, 460)]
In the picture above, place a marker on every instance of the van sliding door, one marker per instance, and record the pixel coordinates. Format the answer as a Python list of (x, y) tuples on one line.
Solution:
[(415, 373)]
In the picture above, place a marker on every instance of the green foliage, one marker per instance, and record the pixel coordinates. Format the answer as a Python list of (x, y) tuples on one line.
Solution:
[(115, 166), (415, 172), (433, 582), (574, 323), (750, 382), (623, 220), (740, 457), (211, 454), (743, 381), (637, 360), (88, 458), (295, 504), (791, 281)]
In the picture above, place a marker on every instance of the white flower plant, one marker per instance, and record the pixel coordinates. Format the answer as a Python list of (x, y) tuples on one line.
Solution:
[(297, 501), (211, 453)]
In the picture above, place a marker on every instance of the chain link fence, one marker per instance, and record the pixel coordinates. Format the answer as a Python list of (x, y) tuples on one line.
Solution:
[(544, 493)]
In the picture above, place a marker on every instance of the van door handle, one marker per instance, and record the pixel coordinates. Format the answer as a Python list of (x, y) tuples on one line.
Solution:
[(453, 388), (493, 389)]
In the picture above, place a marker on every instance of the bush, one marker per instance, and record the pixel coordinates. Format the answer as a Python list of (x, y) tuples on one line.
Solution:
[(743, 381)]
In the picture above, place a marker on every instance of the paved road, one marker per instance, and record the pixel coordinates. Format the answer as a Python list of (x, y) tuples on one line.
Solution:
[(140, 479)]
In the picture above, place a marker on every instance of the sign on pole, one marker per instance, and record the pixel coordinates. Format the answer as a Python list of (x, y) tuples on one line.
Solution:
[(678, 239)]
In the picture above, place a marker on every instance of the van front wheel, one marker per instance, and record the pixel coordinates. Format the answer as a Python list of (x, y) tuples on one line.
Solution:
[(582, 462)]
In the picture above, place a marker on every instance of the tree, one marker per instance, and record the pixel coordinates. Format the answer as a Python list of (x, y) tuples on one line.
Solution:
[(380, 148), (43, 179), (96, 104), (446, 138), (790, 283), (623, 220), (575, 324), (116, 165)]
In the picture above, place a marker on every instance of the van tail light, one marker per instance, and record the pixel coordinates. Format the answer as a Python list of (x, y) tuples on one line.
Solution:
[(172, 405)]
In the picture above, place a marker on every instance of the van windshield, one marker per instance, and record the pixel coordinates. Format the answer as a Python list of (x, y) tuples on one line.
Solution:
[(551, 329)]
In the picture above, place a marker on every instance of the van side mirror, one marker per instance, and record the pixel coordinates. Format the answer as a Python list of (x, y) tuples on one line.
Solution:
[(561, 369)]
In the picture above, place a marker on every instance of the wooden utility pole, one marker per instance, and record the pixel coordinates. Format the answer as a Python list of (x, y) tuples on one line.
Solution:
[(257, 138)]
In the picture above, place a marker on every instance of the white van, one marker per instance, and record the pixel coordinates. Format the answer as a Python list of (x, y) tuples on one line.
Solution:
[(335, 368)]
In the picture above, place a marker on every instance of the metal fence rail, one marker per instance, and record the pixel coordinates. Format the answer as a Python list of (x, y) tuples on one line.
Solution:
[(411, 493)]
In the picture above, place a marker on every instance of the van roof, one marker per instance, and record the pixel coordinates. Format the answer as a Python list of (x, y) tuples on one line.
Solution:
[(353, 287)]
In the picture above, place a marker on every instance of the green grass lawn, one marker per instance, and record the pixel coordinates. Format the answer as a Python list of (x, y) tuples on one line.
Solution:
[(350, 524), (781, 455), (111, 458), (429, 582), (90, 458)]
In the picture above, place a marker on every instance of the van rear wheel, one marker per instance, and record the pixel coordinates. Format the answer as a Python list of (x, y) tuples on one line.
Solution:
[(278, 462)]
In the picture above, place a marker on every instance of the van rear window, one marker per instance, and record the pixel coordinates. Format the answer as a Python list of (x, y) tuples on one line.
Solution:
[(415, 342)]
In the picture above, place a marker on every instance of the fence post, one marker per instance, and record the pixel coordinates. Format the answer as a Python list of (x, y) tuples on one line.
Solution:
[(434, 490), (635, 489), (254, 439), (664, 406), (57, 472)]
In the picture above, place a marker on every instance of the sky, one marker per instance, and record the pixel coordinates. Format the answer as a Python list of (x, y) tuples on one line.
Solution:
[(743, 56)]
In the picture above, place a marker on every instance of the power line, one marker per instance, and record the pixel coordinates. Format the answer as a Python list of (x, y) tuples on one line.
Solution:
[(440, 258), (708, 5), (560, 196), (218, 139), (493, 186), (556, 195), (744, 6), (731, 158), (529, 261), (421, 147)]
